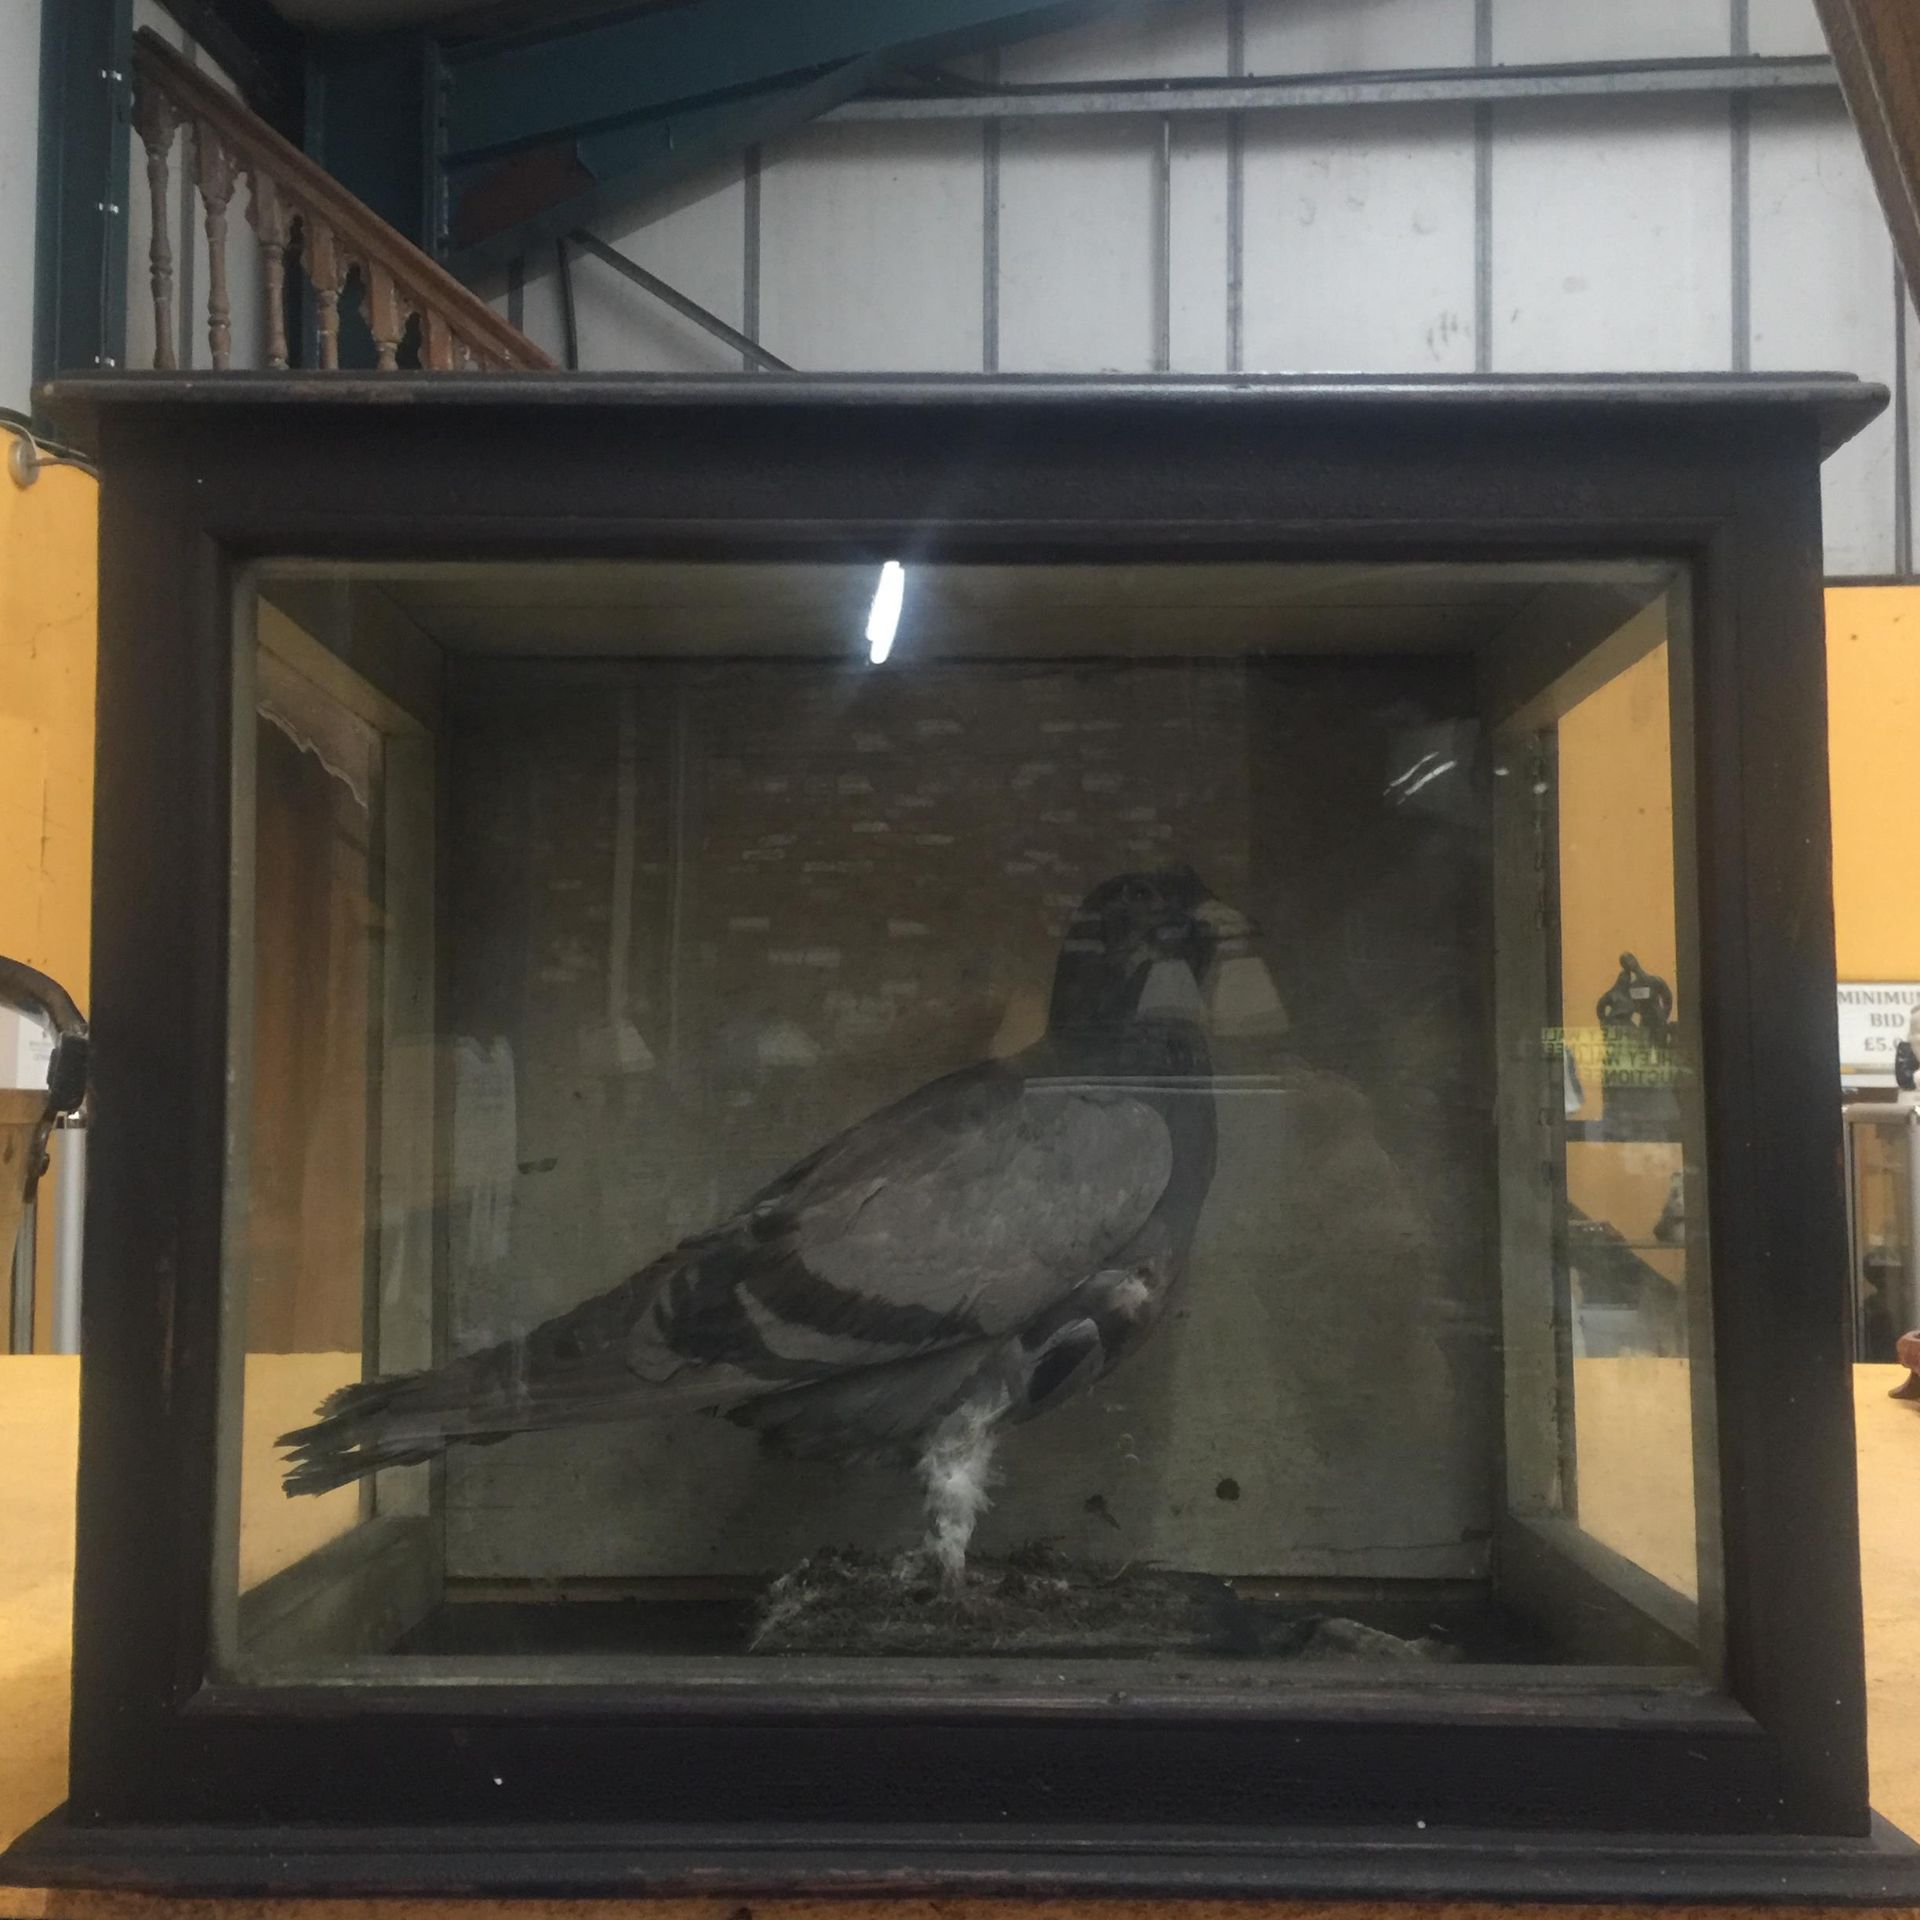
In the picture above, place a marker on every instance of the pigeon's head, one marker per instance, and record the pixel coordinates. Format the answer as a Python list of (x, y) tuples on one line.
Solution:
[(1141, 946)]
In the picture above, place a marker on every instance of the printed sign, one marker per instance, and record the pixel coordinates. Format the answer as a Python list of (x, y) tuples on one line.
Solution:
[(1616, 1056), (1873, 1021), (26, 1048)]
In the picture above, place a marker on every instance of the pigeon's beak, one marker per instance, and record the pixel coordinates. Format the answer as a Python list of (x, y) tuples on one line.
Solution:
[(1241, 997)]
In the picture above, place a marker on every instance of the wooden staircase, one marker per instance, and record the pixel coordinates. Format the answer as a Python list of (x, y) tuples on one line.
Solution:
[(298, 212), (1876, 46)]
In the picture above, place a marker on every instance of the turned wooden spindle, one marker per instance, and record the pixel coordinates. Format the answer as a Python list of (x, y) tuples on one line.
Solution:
[(327, 270), (436, 341), (214, 174), (272, 222), (293, 201), (156, 120), (386, 316)]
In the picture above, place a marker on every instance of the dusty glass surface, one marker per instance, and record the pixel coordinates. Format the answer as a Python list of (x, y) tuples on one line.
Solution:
[(1602, 1142), (1110, 1127)]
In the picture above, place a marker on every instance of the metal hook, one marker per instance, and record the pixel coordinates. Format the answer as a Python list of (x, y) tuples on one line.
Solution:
[(24, 458)]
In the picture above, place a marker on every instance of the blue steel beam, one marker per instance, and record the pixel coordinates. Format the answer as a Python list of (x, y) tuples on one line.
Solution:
[(80, 270), (526, 91), (619, 166)]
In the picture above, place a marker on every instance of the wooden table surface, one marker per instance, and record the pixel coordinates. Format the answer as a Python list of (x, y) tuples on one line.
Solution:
[(38, 1408)]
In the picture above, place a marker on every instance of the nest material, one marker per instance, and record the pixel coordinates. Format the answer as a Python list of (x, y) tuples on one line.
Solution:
[(1036, 1602)]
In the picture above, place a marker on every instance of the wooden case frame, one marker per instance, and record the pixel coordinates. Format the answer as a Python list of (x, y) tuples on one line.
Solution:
[(1758, 1786)]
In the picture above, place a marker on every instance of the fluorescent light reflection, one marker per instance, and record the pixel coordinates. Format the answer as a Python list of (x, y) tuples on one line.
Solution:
[(884, 619)]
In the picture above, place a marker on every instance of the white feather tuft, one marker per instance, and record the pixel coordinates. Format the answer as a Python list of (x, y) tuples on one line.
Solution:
[(957, 1471)]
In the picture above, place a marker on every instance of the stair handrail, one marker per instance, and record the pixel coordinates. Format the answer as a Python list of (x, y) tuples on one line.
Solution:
[(294, 201)]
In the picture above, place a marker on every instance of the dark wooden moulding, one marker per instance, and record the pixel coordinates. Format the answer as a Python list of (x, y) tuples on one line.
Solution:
[(1754, 1791)]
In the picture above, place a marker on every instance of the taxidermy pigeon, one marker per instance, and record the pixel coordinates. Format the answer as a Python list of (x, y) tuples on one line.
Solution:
[(964, 1259)]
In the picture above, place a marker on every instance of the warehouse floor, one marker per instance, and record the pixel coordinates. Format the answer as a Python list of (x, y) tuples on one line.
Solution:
[(39, 1405)]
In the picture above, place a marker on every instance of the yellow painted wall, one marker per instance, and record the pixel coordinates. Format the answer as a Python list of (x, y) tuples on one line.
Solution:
[(1616, 806), (48, 605), (1616, 835), (1873, 705), (1617, 895)]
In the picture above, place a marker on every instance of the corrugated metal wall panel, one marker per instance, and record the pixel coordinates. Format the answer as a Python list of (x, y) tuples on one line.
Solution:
[(871, 246), (1784, 27), (1359, 248), (1611, 236), (1907, 522), (1197, 231), (1084, 281), (19, 181), (691, 237), (1079, 264), (1174, 38), (1907, 515), (1335, 36), (1823, 296), (1549, 30), (540, 315)]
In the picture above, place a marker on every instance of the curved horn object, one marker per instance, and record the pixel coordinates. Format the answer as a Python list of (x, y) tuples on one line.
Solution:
[(32, 991)]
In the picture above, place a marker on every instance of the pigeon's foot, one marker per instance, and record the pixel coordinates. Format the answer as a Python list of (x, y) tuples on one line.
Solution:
[(957, 1472)]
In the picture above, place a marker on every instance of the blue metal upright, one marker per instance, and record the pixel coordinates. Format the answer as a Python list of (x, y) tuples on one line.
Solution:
[(80, 238)]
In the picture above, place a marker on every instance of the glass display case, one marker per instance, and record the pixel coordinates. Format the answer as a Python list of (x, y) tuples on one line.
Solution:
[(832, 1113), (1122, 942)]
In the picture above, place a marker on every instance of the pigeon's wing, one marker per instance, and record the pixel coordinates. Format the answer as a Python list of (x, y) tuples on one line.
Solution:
[(932, 1227), (955, 1216)]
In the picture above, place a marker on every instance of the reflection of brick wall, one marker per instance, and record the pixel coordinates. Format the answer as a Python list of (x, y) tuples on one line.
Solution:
[(881, 866)]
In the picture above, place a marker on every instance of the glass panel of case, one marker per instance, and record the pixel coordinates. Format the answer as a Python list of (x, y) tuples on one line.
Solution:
[(1603, 1142), (1152, 1120)]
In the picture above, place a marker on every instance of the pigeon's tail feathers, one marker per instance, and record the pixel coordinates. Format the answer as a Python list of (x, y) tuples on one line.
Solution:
[(408, 1417), (573, 1370), (357, 1433), (404, 1418)]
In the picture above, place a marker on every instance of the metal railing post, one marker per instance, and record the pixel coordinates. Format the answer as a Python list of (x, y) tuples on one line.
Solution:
[(25, 1253), (69, 1231)]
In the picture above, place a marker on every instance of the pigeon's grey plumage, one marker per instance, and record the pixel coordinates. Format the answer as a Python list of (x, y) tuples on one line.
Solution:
[(957, 1262)]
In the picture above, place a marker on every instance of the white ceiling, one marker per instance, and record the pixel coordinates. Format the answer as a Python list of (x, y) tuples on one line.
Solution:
[(693, 609)]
